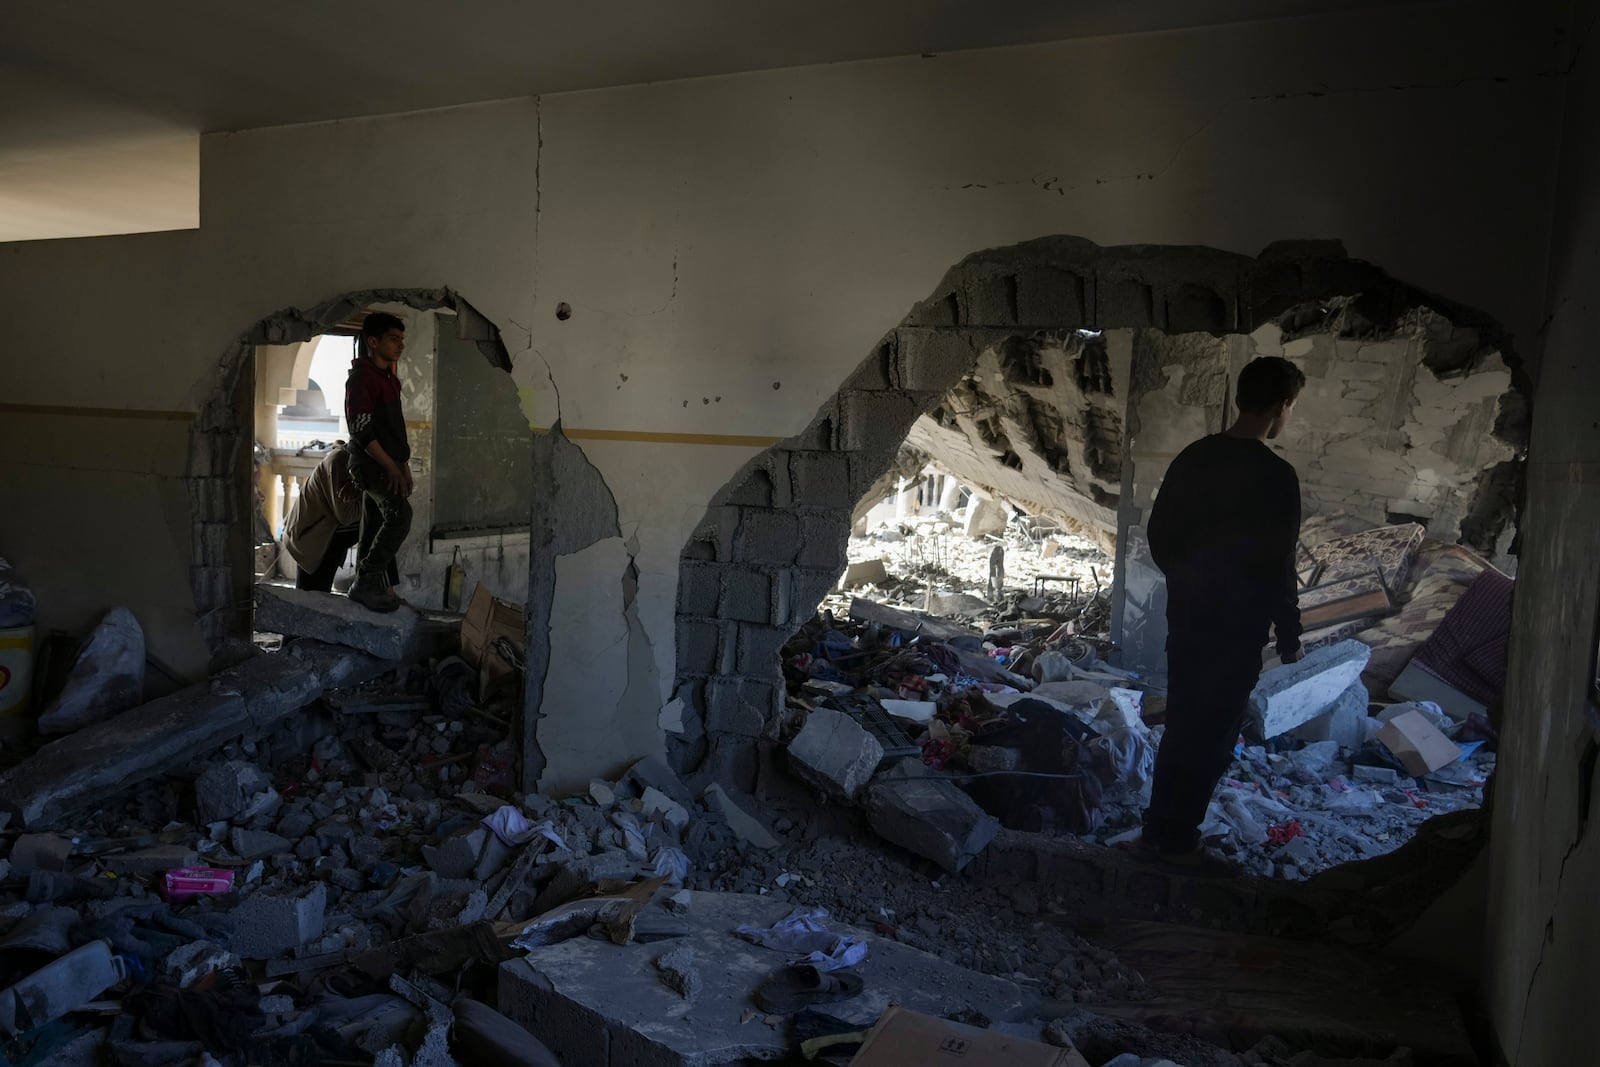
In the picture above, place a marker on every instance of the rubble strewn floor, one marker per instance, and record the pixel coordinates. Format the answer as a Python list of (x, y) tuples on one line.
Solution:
[(1293, 804)]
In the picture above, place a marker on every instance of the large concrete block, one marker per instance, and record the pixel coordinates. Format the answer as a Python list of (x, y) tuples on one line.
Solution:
[(337, 619), (271, 923), (737, 706), (876, 422), (1050, 297), (835, 753), (596, 1004), (223, 789), (929, 815), (1342, 723), (697, 646), (1295, 693)]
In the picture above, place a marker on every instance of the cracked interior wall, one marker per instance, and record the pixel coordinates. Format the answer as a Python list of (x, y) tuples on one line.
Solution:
[(1537, 964)]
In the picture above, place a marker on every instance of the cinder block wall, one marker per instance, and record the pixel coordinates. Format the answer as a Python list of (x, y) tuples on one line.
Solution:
[(773, 540)]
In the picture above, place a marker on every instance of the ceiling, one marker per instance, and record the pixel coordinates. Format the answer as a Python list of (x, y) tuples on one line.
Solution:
[(104, 97)]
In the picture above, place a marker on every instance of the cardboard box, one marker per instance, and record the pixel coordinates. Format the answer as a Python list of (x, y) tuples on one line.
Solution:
[(489, 617), (910, 1039), (1418, 744)]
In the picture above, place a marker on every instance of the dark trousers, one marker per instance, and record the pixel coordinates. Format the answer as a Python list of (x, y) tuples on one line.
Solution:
[(321, 579), (385, 519), (1208, 692)]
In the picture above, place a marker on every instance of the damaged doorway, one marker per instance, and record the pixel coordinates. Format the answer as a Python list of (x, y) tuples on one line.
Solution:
[(1060, 361)]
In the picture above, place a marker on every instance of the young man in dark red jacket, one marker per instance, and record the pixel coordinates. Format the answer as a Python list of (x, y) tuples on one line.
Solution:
[(380, 456), (1223, 531)]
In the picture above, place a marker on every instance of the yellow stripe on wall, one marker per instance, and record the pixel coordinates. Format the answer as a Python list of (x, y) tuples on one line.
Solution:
[(98, 413), (576, 433)]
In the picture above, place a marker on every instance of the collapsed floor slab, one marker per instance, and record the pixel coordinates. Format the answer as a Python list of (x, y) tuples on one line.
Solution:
[(246, 701), (600, 1005), (337, 619)]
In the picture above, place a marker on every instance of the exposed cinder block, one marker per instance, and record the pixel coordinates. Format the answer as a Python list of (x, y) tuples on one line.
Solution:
[(1050, 297), (876, 422), (758, 649), (746, 595), (223, 789), (989, 299), (821, 479), (806, 588), (739, 706), (1196, 309), (769, 536), (1123, 302), (697, 646), (822, 542), (271, 923), (699, 588), (835, 753), (876, 371), (1296, 693), (933, 361), (942, 310)]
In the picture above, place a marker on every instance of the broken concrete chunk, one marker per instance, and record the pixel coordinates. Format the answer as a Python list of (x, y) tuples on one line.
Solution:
[(928, 815), (835, 753), (337, 619), (650, 771), (1344, 723), (224, 789), (867, 572), (746, 827), (602, 793), (679, 973), (675, 815), (985, 517), (107, 677), (1296, 693), (40, 852), (244, 701), (58, 987), (456, 856), (271, 923), (256, 844)]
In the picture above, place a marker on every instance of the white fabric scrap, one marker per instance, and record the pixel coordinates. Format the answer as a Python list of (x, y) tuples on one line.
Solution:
[(802, 932), (514, 828)]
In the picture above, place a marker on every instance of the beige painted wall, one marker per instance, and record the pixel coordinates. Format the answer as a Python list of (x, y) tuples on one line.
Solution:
[(732, 247)]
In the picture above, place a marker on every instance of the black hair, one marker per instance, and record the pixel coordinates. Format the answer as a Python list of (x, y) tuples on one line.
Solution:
[(377, 324), (1267, 382)]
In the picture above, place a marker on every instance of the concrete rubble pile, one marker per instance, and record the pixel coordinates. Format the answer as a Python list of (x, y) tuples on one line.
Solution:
[(339, 883), (1010, 702)]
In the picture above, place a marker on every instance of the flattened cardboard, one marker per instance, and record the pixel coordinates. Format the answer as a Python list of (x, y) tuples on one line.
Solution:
[(910, 1039), (1418, 744)]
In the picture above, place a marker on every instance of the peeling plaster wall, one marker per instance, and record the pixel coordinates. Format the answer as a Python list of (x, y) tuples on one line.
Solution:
[(1543, 930)]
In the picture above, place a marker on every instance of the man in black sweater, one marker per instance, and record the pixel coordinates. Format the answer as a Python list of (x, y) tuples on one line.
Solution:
[(380, 454), (1223, 531)]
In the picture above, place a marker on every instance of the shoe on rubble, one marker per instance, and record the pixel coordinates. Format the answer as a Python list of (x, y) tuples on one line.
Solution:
[(373, 596)]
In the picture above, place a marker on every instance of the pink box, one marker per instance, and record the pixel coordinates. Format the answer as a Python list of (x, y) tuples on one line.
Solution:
[(187, 883)]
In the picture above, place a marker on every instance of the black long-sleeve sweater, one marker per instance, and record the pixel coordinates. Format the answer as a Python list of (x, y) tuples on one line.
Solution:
[(1223, 531)]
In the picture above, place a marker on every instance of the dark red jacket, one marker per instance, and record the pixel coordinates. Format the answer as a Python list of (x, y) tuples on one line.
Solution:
[(372, 408)]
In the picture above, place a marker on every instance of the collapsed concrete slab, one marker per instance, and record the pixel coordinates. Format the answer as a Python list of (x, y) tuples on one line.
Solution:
[(1296, 693), (596, 1004), (336, 619), (931, 816), (835, 753), (246, 701)]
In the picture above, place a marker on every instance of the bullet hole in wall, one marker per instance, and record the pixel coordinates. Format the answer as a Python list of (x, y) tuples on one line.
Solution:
[(563, 311)]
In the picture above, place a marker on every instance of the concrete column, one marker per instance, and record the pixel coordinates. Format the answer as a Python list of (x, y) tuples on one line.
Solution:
[(274, 492), (951, 494), (902, 500)]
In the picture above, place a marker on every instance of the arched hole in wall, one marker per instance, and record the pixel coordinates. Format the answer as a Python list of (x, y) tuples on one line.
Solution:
[(1092, 367), (471, 452)]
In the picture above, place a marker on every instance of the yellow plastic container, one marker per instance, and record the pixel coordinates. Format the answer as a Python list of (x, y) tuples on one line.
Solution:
[(16, 670)]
